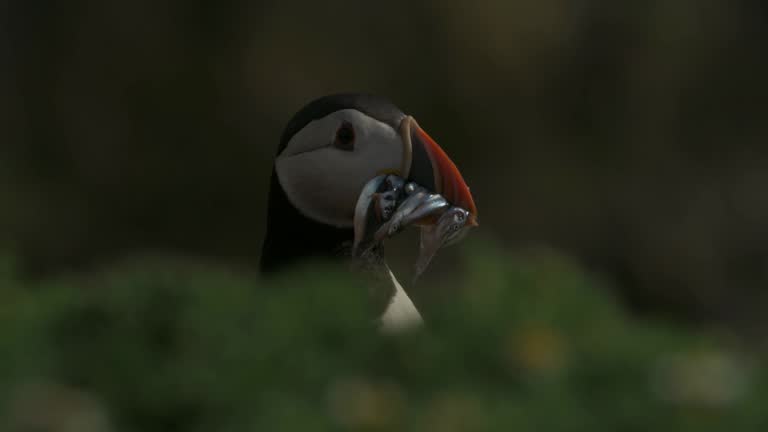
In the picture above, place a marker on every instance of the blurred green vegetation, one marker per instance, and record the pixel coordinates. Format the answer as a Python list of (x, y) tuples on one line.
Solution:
[(528, 342)]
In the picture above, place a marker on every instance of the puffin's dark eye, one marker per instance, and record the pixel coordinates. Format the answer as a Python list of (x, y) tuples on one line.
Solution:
[(345, 137)]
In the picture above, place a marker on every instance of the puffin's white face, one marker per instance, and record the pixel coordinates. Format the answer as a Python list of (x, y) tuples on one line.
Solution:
[(326, 164)]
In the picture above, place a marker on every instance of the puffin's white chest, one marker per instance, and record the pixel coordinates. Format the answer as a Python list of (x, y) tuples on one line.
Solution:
[(401, 314)]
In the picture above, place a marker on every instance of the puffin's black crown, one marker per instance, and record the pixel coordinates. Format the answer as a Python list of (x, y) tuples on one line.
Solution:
[(374, 106)]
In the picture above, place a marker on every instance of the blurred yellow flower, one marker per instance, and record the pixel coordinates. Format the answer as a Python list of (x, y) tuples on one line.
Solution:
[(360, 403), (536, 348)]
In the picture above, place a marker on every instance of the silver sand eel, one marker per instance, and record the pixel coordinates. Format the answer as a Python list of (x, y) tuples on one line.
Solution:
[(387, 205)]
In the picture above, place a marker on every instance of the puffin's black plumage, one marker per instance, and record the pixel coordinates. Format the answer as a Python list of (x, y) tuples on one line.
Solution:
[(284, 221), (292, 237), (327, 171), (375, 106)]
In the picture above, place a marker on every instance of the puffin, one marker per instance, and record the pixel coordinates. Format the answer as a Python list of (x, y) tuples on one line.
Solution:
[(328, 151)]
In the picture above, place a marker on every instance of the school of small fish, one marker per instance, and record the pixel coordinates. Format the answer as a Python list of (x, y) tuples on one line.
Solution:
[(387, 205)]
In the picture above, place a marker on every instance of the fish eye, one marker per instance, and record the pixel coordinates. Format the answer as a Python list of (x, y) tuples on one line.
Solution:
[(345, 137)]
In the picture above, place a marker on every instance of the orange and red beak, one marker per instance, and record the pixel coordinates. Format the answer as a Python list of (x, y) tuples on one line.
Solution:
[(426, 164)]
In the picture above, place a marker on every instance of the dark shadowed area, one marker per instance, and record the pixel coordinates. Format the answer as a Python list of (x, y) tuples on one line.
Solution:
[(631, 137)]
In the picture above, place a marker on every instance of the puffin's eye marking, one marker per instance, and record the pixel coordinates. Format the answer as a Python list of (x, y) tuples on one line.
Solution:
[(345, 137)]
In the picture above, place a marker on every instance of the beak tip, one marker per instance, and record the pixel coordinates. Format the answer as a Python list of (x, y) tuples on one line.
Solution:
[(472, 220)]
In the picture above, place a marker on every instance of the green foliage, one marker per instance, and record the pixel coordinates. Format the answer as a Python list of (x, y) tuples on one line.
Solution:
[(529, 343)]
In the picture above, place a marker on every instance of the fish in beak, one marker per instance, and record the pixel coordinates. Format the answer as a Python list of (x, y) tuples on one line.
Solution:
[(428, 191)]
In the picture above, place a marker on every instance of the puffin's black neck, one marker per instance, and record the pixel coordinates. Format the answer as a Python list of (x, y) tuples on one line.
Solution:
[(292, 237)]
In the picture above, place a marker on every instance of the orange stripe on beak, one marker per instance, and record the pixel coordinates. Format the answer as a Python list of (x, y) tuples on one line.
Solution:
[(448, 180)]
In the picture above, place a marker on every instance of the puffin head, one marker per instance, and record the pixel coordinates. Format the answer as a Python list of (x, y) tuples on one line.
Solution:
[(328, 151)]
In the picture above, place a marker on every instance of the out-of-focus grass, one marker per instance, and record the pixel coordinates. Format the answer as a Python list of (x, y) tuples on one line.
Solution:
[(529, 343)]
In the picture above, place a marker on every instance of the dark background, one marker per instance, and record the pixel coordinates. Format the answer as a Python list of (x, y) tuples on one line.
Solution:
[(630, 135)]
